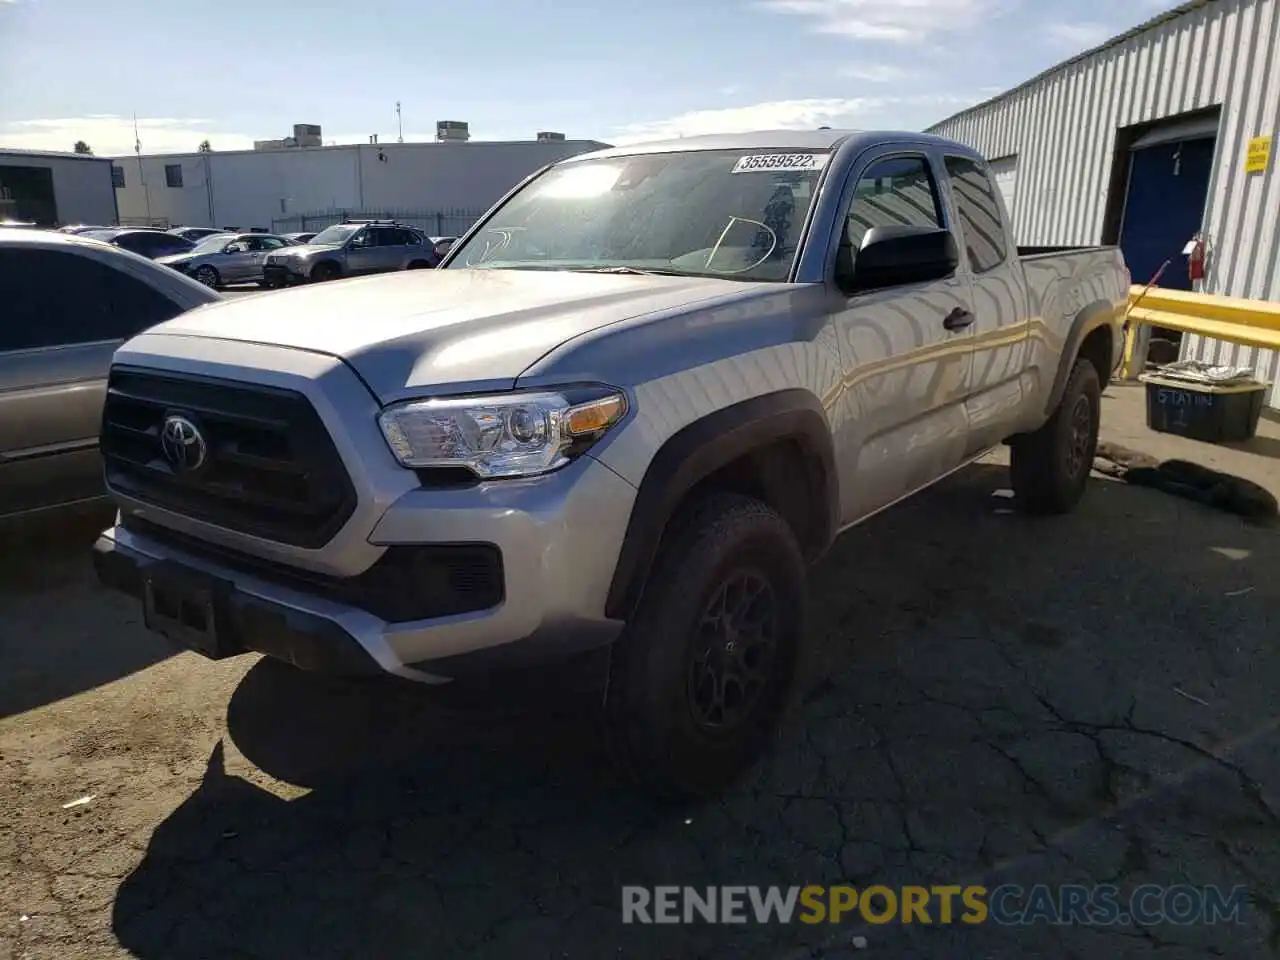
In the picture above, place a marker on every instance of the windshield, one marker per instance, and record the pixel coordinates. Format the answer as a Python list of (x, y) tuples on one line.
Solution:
[(724, 213), (212, 243), (338, 233)]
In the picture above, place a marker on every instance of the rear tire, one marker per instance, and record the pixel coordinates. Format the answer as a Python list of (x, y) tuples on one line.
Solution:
[(704, 670), (209, 277), (1050, 468)]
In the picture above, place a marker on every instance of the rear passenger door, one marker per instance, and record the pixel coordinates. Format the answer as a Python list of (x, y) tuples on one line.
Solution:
[(1000, 376), (64, 316), (902, 420)]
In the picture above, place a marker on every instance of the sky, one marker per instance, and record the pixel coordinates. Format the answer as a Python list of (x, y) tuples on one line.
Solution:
[(232, 71)]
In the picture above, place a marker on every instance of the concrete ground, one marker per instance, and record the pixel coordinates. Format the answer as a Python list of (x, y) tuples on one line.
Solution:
[(1086, 699)]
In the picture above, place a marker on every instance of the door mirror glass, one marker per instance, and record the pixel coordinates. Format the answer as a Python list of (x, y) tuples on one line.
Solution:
[(890, 256)]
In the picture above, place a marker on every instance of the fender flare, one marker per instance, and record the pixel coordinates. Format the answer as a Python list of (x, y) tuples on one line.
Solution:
[(1100, 313), (698, 450)]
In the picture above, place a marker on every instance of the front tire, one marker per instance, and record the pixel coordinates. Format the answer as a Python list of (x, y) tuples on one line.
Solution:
[(1050, 468), (324, 272), (704, 670), (209, 277)]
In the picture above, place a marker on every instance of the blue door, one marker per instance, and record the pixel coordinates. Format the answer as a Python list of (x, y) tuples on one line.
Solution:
[(1164, 208)]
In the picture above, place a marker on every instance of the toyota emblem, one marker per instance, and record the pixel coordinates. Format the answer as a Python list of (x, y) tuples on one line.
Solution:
[(182, 444)]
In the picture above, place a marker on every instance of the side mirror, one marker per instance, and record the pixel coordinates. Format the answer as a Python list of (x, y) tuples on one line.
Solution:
[(891, 256)]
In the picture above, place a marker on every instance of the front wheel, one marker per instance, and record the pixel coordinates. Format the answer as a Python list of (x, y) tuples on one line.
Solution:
[(325, 271), (705, 667), (1050, 468), (209, 277)]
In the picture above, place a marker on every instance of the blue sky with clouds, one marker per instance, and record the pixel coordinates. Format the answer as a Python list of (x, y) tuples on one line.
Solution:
[(238, 70)]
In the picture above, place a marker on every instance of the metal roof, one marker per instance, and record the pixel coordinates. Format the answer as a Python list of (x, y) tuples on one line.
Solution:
[(47, 154), (1115, 41)]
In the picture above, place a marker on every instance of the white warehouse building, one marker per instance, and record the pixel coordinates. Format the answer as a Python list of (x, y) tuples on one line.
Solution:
[(1157, 140), (54, 189), (442, 186)]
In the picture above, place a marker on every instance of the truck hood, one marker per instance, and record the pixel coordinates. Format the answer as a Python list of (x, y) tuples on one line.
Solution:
[(420, 332)]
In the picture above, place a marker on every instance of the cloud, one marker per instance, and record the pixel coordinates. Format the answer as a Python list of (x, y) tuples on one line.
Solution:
[(1080, 35), (896, 21), (112, 135), (784, 115), (874, 72)]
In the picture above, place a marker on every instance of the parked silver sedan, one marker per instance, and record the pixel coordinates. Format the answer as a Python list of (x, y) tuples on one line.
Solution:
[(68, 303), (226, 258)]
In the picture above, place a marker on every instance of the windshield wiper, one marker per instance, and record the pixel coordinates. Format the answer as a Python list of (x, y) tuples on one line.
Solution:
[(629, 270)]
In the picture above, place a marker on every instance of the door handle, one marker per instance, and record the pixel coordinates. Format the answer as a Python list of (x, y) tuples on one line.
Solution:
[(958, 319)]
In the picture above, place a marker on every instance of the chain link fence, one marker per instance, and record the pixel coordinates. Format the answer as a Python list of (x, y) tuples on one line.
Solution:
[(435, 223)]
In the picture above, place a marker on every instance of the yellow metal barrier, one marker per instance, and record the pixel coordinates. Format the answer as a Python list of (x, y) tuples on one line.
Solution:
[(1255, 323)]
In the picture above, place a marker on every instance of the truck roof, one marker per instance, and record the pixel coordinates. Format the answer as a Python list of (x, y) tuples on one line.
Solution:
[(825, 139)]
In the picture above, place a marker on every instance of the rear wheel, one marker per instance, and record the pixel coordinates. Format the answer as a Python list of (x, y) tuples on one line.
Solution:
[(704, 669), (208, 276), (1050, 468)]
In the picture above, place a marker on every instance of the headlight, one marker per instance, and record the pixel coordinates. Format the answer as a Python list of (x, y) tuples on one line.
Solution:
[(506, 435)]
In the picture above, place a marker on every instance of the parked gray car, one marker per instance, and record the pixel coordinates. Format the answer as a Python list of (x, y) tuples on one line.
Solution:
[(68, 304), (350, 249), (227, 258)]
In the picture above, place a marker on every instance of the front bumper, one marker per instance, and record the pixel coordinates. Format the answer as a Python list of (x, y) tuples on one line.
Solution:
[(283, 274), (558, 537)]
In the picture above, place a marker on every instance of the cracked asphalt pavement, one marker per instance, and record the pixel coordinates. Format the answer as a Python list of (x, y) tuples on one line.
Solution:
[(989, 699)]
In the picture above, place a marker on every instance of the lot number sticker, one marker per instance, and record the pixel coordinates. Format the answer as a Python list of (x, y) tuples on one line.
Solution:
[(780, 163)]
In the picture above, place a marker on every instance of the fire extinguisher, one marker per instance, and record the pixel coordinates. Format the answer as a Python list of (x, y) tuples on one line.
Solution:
[(1195, 259)]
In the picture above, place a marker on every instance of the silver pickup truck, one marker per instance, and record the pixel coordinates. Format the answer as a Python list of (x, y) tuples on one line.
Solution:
[(635, 401)]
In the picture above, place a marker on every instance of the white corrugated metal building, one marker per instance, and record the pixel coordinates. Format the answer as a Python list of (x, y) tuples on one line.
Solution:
[(1150, 140), (56, 188), (277, 188)]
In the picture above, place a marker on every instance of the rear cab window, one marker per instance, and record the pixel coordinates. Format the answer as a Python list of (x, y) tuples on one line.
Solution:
[(978, 210)]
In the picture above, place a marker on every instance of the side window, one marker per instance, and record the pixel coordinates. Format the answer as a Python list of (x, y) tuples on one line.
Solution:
[(385, 237), (164, 245), (979, 214), (239, 246), (363, 239), (54, 298), (407, 238), (896, 191), (270, 243)]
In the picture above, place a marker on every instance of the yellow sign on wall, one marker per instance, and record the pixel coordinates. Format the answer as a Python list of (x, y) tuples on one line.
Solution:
[(1258, 156)]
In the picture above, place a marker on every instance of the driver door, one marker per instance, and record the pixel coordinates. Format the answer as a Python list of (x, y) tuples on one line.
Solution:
[(905, 350), (236, 262), (362, 252)]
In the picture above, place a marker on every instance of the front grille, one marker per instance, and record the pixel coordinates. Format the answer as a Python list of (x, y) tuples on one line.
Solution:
[(408, 582), (270, 468)]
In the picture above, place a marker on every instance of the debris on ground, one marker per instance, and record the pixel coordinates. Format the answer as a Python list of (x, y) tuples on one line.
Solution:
[(1191, 481)]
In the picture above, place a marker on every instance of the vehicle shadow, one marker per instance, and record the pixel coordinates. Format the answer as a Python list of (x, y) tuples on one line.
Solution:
[(52, 633), (971, 667)]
